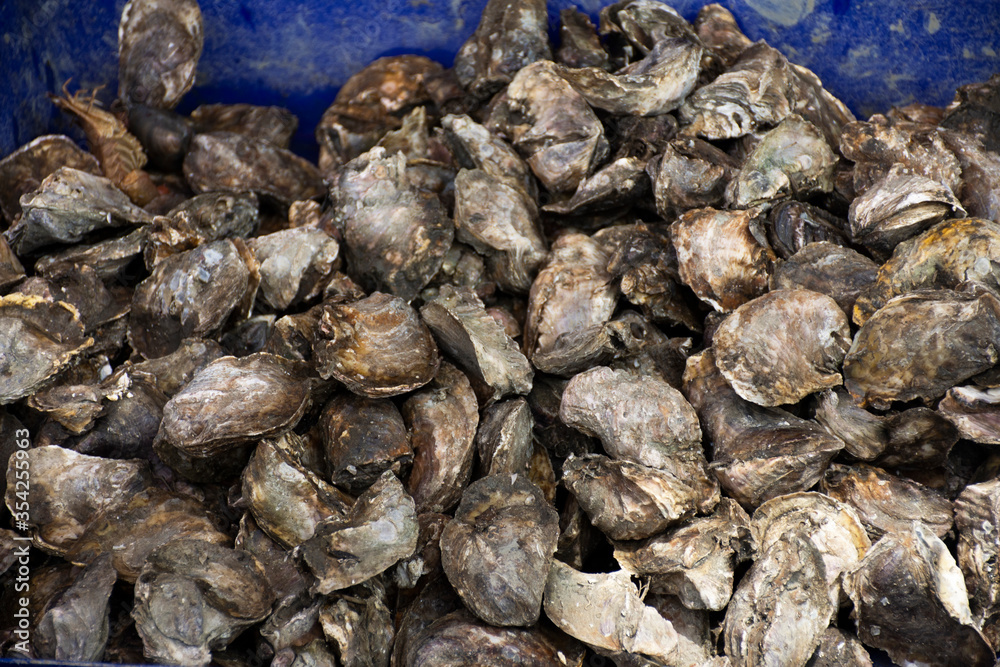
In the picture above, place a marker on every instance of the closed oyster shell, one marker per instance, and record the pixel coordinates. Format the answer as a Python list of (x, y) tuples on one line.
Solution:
[(67, 206), (696, 560), (638, 418), (363, 607), (396, 236), (977, 518), (945, 255), (827, 268), (782, 346), (691, 173), (720, 258), (171, 372), (442, 419), (294, 264), (38, 338), (975, 412), (897, 207), (757, 453), (379, 530), (511, 35), (552, 127), (501, 222), (887, 503), (628, 501), (201, 219), (496, 552), (718, 31), (617, 184), (377, 346), (504, 437), (910, 601), (838, 648), (275, 125), (902, 353), (24, 170), (572, 293), (475, 147), (159, 44), (793, 159), (74, 626), (579, 45), (794, 224), (209, 416), (190, 294), (110, 258), (233, 162)]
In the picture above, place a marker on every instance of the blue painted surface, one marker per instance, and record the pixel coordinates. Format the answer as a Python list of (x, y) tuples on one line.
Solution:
[(296, 53)]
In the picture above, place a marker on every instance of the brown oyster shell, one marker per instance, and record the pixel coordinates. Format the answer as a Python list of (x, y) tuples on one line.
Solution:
[(827, 268), (976, 522), (782, 346), (475, 147), (975, 412), (504, 438), (24, 170), (275, 125), (691, 173), (377, 346)]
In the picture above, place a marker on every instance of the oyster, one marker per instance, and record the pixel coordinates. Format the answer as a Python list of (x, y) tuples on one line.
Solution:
[(201, 219), (757, 453), (975, 412), (233, 162), (172, 372), (11, 269), (362, 438), (718, 31), (638, 418), (159, 44), (23, 171), (497, 550), (442, 419), (294, 265), (900, 353), (720, 258), (396, 236), (165, 136), (74, 626), (194, 596), (617, 184), (579, 45), (782, 346), (379, 530), (628, 501), (696, 560), (897, 207), (838, 648), (887, 503), (793, 225), (67, 206), (38, 338), (691, 173), (793, 159), (377, 346), (976, 521), (191, 294), (477, 343), (910, 601), (275, 125), (363, 606), (475, 147), (504, 438), (111, 259), (511, 35), (287, 500), (827, 268)]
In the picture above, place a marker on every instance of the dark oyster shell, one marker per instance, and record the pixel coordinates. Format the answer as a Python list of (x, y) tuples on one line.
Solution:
[(111, 259), (691, 173), (233, 162), (362, 438), (38, 338), (442, 419), (910, 601), (504, 438), (511, 35), (165, 136), (628, 501), (782, 346), (379, 530), (617, 184), (977, 517), (363, 607), (475, 147), (201, 219), (827, 268), (377, 346), (24, 170), (74, 626), (159, 44), (793, 225), (887, 503), (838, 648), (901, 352), (496, 552), (717, 29), (477, 343), (975, 412), (275, 125), (720, 258), (579, 45)]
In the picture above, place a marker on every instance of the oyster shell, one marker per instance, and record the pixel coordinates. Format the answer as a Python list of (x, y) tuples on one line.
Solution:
[(910, 601), (165, 136), (793, 225), (900, 353), (975, 412), (718, 31), (201, 219), (976, 522), (377, 346), (74, 626), (379, 530), (504, 438), (442, 419), (275, 125), (496, 552), (757, 453), (111, 259), (696, 560), (233, 162), (617, 184), (511, 35), (628, 501), (159, 44), (38, 338), (691, 173), (838, 648), (362, 438), (579, 44), (793, 159), (782, 346), (720, 258), (887, 503), (638, 418), (475, 147), (396, 236), (295, 265), (827, 268), (288, 501), (23, 171)]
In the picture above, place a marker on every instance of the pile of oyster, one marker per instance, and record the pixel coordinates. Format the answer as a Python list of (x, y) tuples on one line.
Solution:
[(641, 348)]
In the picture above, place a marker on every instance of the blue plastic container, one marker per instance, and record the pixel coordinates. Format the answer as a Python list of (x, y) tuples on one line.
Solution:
[(297, 53)]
